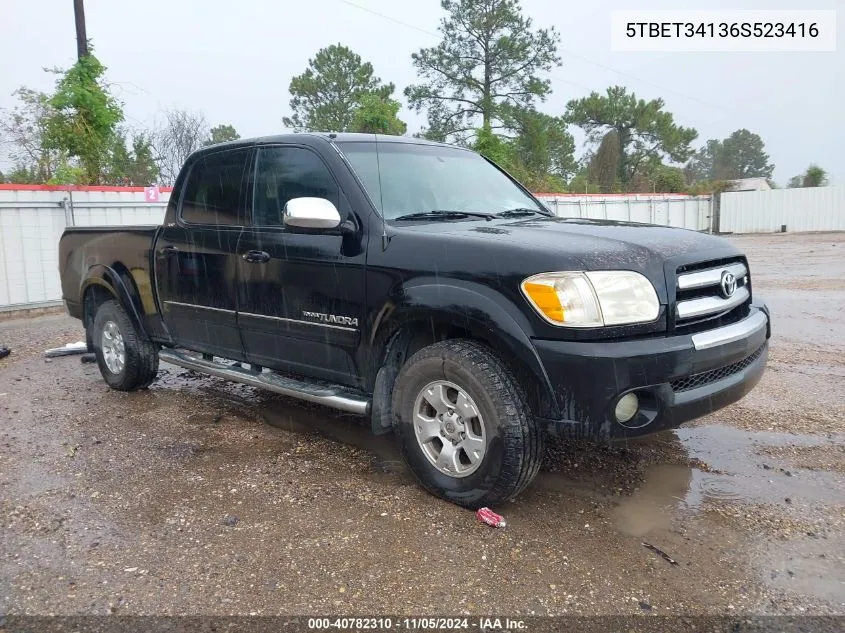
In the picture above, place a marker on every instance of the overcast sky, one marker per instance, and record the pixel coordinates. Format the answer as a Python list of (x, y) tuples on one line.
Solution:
[(234, 59)]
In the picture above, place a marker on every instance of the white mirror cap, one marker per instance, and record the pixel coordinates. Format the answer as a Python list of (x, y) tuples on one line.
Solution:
[(311, 213)]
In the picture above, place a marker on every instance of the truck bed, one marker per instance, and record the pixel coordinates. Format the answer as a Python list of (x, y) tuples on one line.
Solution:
[(124, 249)]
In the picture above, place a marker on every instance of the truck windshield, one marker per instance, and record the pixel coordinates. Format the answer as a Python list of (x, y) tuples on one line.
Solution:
[(407, 178)]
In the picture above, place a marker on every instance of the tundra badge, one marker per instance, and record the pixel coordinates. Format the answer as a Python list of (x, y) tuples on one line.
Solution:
[(332, 319)]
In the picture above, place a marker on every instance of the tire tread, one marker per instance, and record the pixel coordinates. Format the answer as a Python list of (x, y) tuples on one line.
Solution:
[(141, 366), (523, 449)]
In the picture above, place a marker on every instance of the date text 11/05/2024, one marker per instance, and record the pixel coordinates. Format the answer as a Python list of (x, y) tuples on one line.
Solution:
[(417, 624)]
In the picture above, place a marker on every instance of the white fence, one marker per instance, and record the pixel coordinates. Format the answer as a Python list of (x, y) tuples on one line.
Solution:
[(31, 222), (810, 209), (688, 212)]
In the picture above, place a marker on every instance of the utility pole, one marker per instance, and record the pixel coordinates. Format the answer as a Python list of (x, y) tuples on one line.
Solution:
[(81, 37)]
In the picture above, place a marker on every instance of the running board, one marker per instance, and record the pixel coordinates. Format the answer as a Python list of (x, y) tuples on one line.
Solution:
[(330, 396)]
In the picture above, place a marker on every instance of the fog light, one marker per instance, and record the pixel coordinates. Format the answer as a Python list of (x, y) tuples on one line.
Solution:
[(627, 407)]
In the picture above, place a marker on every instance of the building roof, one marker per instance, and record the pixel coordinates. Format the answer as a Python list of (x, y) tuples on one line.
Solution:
[(750, 184)]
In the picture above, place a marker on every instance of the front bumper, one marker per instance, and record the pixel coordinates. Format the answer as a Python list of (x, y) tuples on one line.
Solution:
[(676, 378)]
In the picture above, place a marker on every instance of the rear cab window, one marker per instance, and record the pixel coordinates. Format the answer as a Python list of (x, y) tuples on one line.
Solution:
[(213, 193)]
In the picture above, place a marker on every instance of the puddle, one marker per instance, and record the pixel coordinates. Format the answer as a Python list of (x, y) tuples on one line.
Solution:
[(739, 473), (684, 470), (650, 507), (731, 469)]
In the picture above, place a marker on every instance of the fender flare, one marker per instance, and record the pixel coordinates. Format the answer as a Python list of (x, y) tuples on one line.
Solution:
[(110, 279), (481, 310)]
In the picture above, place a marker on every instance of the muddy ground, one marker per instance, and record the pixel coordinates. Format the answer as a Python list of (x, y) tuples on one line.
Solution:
[(202, 497)]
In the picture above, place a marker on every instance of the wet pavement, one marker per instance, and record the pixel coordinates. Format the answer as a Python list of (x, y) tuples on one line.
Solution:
[(199, 496)]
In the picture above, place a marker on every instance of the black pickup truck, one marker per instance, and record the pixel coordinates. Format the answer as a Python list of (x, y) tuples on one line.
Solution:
[(420, 285)]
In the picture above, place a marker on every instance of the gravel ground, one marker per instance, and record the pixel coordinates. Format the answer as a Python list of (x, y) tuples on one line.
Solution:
[(203, 497)]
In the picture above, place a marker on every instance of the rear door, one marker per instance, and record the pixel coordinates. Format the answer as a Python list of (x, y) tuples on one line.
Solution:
[(196, 257), (301, 301)]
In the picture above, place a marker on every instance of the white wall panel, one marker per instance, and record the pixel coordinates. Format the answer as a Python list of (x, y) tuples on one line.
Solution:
[(31, 223), (801, 210), (688, 212)]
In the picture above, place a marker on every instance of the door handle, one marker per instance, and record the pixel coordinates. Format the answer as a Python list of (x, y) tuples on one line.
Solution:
[(256, 257), (168, 251)]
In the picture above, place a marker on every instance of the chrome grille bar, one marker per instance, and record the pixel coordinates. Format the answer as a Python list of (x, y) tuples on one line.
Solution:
[(709, 277), (730, 333), (711, 305)]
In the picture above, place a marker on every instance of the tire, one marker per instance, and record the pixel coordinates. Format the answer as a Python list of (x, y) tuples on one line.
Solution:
[(511, 440), (112, 330)]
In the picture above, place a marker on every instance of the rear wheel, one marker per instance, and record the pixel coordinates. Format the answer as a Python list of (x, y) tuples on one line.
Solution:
[(127, 361), (463, 424)]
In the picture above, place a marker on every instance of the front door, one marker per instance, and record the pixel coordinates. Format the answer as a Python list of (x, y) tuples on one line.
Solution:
[(196, 258), (301, 296)]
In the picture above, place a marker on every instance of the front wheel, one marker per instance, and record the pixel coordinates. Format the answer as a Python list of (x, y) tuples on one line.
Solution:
[(127, 360), (463, 424)]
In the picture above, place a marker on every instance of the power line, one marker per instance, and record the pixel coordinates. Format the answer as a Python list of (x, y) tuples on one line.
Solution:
[(645, 81), (389, 18), (433, 34), (563, 50)]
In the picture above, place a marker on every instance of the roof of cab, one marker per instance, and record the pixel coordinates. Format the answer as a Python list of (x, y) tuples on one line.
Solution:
[(339, 137)]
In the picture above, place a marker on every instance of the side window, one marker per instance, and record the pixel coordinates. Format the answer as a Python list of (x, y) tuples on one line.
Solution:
[(213, 190), (284, 173)]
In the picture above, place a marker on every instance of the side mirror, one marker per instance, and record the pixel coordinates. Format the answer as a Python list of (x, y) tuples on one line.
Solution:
[(311, 213)]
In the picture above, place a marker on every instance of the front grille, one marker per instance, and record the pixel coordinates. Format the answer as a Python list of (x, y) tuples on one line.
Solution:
[(706, 377), (700, 301)]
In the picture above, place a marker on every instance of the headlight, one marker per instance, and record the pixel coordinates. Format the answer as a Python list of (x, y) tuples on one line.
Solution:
[(592, 299)]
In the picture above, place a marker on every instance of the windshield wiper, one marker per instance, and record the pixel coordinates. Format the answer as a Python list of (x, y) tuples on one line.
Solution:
[(519, 211), (440, 214)]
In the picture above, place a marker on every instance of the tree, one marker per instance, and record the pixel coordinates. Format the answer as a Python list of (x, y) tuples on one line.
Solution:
[(645, 130), (667, 179), (492, 147), (181, 133), (24, 128), (119, 160), (142, 168), (702, 166), (326, 96), (84, 116), (68, 173), (23, 175), (740, 155), (541, 155), (581, 183), (377, 115), (603, 167), (815, 176), (489, 57), (132, 166), (221, 134)]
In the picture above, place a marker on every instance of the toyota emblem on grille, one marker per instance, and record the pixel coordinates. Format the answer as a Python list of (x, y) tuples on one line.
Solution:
[(728, 284)]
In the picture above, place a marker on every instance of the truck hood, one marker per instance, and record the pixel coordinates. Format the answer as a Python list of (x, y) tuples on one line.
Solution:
[(587, 237), (520, 247)]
